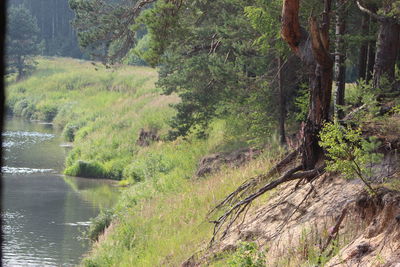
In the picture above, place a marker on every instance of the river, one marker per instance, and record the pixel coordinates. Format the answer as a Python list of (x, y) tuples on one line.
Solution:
[(45, 213)]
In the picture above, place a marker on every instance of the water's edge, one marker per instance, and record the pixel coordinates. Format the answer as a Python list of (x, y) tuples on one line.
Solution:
[(44, 212)]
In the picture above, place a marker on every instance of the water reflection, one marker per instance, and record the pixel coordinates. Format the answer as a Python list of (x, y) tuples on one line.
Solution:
[(101, 193), (45, 213)]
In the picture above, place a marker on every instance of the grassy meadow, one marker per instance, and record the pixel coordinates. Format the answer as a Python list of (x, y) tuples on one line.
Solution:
[(100, 110), (161, 216)]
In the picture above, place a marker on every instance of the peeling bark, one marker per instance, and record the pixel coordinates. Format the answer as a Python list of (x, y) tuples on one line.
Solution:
[(313, 50)]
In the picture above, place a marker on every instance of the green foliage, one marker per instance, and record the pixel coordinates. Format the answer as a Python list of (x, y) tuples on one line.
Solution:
[(99, 224), (248, 255), (23, 108), (104, 28), (86, 169), (302, 102), (348, 152), (47, 112), (396, 109), (147, 168), (214, 71), (69, 132), (22, 40), (102, 114), (265, 19)]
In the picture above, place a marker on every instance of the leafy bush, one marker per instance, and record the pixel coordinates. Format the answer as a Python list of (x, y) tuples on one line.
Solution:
[(114, 169), (24, 109), (348, 152), (248, 255), (86, 169), (19, 106), (152, 165), (99, 224), (47, 112), (69, 132)]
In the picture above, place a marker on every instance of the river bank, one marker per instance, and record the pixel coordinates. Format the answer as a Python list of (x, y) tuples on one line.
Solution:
[(100, 110), (160, 217), (45, 213)]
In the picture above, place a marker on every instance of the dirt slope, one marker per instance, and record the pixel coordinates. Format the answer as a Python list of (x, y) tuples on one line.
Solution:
[(295, 224)]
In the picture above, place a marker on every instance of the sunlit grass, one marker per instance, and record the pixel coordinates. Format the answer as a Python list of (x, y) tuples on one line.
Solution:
[(161, 217), (164, 222), (101, 109)]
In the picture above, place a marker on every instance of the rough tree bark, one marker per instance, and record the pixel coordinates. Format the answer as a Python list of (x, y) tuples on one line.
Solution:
[(340, 57), (371, 59), (313, 50), (387, 50), (362, 56), (282, 102), (388, 43)]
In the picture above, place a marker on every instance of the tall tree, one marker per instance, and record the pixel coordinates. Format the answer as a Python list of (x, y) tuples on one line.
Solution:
[(313, 50), (21, 40), (54, 21), (387, 49), (363, 54), (340, 56)]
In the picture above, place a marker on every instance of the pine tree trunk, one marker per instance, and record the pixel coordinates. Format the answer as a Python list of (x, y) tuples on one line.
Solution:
[(340, 56), (313, 50), (387, 50), (362, 57), (282, 103), (371, 59)]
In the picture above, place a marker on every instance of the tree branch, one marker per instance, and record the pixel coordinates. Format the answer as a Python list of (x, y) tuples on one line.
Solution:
[(368, 11)]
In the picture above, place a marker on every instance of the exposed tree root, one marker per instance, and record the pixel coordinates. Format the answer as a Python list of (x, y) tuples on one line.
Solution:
[(251, 183), (287, 219), (238, 201)]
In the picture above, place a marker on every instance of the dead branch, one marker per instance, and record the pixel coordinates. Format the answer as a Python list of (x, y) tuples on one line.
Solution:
[(368, 11), (351, 114), (334, 230)]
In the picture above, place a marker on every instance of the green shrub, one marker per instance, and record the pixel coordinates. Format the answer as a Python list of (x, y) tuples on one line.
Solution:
[(21, 90), (114, 169), (69, 132), (248, 255), (99, 224), (147, 168), (29, 112), (86, 169), (302, 102), (133, 173), (348, 152), (47, 112), (19, 106)]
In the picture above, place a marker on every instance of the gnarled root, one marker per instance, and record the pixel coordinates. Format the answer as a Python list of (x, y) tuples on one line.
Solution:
[(239, 201)]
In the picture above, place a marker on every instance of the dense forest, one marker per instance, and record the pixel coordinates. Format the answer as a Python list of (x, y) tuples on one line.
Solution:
[(54, 21), (274, 120)]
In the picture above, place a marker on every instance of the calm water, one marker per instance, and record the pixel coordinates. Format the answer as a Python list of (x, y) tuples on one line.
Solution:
[(44, 212)]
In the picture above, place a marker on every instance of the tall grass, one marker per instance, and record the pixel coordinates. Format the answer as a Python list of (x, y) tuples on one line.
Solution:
[(101, 110), (161, 218), (163, 221)]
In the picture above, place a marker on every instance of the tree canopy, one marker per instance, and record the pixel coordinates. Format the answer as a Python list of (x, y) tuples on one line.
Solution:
[(22, 40), (227, 57)]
